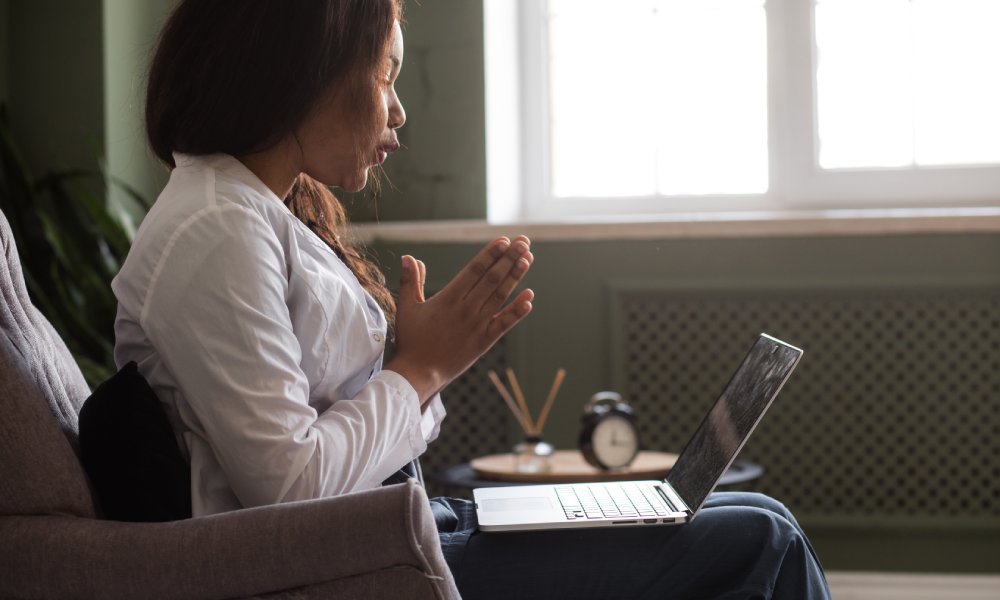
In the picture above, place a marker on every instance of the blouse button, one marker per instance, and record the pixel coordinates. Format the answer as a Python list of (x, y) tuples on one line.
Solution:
[(378, 337)]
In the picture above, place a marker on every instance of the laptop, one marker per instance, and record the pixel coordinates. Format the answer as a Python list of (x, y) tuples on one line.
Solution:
[(672, 501)]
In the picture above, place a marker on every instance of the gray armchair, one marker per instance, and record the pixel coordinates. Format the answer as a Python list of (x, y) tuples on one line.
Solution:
[(375, 544)]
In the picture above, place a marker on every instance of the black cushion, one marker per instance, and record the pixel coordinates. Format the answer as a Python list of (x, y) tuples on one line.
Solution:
[(130, 453)]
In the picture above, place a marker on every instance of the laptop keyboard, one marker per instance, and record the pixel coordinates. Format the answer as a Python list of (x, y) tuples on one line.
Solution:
[(610, 500)]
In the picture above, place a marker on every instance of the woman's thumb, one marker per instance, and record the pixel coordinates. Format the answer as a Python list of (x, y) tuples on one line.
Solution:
[(409, 288)]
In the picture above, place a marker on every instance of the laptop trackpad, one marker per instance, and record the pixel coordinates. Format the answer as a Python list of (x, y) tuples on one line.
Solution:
[(509, 504)]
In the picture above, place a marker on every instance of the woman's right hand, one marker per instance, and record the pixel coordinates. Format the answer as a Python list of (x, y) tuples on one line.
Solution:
[(439, 338)]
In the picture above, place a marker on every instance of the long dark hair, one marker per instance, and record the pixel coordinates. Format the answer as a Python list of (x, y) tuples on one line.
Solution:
[(238, 76)]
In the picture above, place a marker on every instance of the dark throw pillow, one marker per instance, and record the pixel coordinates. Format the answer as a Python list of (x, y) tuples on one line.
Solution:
[(129, 451)]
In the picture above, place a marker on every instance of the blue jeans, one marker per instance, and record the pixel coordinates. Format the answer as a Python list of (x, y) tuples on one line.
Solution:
[(740, 546)]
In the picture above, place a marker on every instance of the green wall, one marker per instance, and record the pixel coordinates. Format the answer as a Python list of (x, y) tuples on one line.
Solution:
[(54, 75), (569, 326), (130, 30), (72, 75), (441, 173)]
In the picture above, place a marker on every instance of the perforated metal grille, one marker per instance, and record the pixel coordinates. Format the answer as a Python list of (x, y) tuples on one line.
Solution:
[(893, 409), (478, 422)]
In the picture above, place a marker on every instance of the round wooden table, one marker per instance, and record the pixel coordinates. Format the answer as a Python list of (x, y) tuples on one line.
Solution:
[(497, 470)]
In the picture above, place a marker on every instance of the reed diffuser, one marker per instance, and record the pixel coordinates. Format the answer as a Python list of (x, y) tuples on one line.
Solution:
[(533, 454)]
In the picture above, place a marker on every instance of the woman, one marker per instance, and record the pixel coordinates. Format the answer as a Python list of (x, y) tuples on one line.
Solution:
[(262, 331)]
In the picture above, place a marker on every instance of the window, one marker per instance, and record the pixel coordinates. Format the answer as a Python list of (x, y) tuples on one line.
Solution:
[(640, 107)]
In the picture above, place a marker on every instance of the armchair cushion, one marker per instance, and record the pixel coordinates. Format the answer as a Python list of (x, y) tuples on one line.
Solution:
[(39, 472), (130, 453), (41, 390), (385, 532)]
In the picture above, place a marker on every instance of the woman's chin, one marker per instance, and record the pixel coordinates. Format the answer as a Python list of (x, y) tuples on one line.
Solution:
[(362, 182), (356, 183)]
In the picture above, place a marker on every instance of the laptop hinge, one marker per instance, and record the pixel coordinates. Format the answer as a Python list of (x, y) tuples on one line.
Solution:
[(672, 499)]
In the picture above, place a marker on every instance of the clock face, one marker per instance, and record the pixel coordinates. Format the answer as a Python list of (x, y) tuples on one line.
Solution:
[(615, 442)]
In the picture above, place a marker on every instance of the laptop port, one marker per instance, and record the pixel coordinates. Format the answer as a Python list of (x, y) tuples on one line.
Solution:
[(668, 520), (649, 520), (623, 522)]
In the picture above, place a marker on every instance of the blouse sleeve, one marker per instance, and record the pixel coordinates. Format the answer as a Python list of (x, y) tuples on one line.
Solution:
[(216, 312), (430, 422)]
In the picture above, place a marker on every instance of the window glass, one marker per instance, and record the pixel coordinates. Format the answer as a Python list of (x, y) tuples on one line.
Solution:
[(907, 82), (657, 97)]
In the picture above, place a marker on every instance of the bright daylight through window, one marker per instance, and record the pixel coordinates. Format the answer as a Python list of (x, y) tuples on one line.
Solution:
[(659, 106), (908, 82), (680, 106)]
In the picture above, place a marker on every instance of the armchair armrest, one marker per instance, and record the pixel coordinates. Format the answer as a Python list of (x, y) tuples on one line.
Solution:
[(237, 554)]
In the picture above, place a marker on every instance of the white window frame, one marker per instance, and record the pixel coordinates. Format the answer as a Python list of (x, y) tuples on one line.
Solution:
[(518, 143)]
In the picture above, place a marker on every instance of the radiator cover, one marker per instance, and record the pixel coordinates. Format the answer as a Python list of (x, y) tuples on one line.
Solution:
[(891, 412)]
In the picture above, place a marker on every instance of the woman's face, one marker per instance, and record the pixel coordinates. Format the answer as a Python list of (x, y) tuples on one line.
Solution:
[(328, 138)]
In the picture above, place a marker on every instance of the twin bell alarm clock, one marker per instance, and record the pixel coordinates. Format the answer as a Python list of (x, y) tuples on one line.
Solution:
[(609, 438)]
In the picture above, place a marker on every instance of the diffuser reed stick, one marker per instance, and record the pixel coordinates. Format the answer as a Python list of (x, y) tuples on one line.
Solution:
[(522, 418), (519, 407), (560, 375), (521, 402)]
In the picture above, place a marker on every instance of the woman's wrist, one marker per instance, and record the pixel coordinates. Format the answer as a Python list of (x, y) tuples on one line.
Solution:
[(425, 381)]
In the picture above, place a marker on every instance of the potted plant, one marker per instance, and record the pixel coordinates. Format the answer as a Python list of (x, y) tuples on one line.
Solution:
[(72, 243)]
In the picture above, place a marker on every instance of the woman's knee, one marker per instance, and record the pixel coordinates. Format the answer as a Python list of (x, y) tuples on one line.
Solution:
[(739, 547), (745, 528), (754, 500)]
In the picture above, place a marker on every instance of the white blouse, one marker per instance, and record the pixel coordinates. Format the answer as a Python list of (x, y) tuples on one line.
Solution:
[(262, 345)]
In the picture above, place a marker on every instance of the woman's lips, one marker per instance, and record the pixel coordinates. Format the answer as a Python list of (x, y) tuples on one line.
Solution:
[(385, 150)]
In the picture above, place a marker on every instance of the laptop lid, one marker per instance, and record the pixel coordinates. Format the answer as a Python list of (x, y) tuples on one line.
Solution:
[(724, 430)]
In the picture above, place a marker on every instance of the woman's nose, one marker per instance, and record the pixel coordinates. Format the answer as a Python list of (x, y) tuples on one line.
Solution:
[(397, 116)]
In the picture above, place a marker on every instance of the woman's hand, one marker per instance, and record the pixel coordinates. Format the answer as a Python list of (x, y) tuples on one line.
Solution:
[(438, 338)]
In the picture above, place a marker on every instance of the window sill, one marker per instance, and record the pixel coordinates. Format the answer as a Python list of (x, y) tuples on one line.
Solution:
[(696, 225)]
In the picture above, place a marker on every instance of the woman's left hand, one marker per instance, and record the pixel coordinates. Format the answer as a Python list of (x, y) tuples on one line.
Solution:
[(441, 337)]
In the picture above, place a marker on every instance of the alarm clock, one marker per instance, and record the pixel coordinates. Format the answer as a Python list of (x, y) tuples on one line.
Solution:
[(609, 439)]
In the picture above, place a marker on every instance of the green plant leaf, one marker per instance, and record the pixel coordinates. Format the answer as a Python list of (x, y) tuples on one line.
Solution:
[(71, 244)]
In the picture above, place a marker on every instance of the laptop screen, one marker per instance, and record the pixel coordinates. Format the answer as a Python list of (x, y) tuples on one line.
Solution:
[(725, 429)]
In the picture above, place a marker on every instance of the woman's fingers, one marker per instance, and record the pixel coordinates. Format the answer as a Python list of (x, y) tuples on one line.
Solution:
[(409, 280), (421, 280), (497, 283), (495, 300), (470, 275), (412, 279), (503, 321)]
